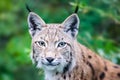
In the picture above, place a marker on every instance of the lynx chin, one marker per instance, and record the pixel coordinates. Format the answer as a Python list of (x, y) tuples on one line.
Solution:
[(56, 51)]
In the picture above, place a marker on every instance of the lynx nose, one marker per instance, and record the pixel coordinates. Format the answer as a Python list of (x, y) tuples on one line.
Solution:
[(49, 59)]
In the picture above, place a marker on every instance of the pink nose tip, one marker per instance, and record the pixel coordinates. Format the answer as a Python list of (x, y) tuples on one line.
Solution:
[(49, 59)]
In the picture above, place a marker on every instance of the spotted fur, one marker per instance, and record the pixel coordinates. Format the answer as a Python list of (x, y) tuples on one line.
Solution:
[(56, 50)]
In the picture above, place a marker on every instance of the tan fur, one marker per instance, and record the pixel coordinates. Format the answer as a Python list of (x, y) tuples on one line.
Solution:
[(85, 64)]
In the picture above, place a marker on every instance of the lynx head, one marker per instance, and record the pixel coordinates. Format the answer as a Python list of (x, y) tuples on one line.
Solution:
[(53, 44)]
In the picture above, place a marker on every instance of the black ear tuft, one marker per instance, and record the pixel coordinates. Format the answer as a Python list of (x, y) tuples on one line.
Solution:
[(27, 7), (76, 9)]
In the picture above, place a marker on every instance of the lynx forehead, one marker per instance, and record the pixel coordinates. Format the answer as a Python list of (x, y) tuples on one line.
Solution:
[(56, 50)]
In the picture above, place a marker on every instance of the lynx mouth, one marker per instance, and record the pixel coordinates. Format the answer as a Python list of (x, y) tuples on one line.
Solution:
[(50, 64)]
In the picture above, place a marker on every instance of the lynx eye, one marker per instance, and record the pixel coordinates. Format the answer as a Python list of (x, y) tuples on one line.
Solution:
[(41, 43), (62, 44)]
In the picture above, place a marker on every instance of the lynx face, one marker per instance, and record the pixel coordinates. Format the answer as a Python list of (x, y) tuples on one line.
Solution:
[(53, 44)]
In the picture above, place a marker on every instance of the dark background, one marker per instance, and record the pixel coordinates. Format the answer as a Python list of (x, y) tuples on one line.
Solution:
[(99, 30)]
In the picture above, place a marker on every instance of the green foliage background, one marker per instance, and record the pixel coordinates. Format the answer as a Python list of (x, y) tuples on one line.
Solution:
[(99, 30)]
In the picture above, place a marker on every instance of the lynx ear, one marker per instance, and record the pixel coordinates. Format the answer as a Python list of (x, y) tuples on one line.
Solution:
[(35, 23), (71, 25)]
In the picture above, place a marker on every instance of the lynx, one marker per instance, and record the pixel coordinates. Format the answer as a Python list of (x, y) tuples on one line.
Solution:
[(55, 50)]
